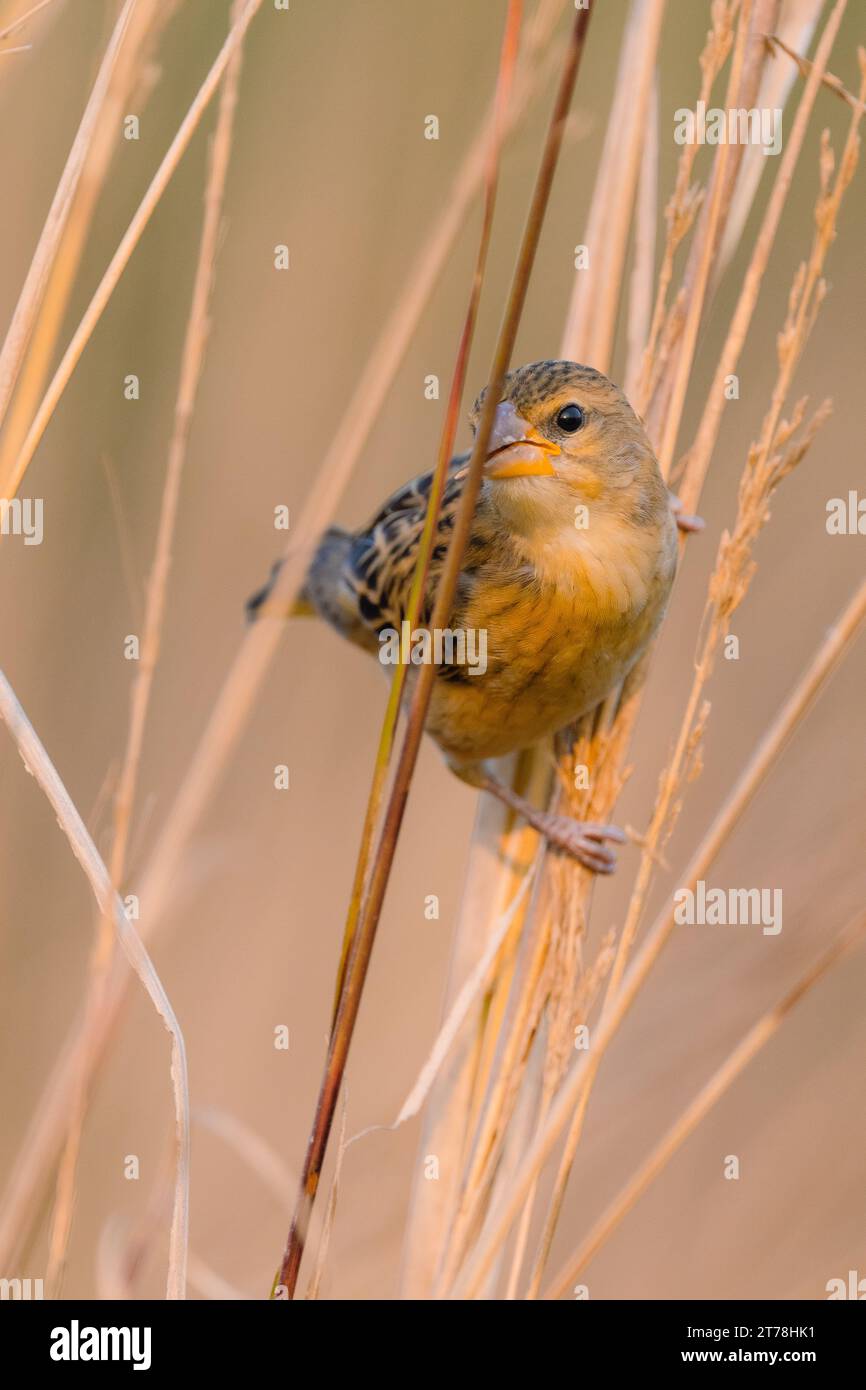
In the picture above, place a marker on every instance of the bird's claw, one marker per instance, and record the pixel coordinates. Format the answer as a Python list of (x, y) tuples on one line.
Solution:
[(585, 842)]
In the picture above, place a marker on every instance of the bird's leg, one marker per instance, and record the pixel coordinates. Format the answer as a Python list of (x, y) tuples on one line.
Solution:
[(584, 840), (685, 522)]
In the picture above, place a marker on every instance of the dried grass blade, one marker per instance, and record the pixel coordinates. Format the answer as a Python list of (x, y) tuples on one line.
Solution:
[(38, 763), (709, 1095), (128, 243), (192, 359), (30, 298)]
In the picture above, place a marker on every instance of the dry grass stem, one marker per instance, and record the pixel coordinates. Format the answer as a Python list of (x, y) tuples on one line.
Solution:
[(643, 267), (426, 544), (590, 320), (39, 765), (502, 858), (442, 605), (474, 983), (804, 67), (30, 298), (797, 20), (192, 359), (9, 29), (128, 243), (697, 276), (698, 458), (315, 1284), (708, 1096), (682, 209), (129, 81)]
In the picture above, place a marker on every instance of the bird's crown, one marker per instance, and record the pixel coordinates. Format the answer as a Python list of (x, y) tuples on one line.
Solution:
[(539, 382)]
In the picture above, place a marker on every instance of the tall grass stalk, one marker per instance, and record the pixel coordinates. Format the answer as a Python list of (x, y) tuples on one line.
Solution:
[(38, 763), (192, 360), (417, 708)]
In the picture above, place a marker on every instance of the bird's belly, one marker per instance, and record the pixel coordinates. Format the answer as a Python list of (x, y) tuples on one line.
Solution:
[(546, 666)]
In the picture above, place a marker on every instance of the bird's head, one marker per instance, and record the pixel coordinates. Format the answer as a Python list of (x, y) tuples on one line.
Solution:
[(562, 434)]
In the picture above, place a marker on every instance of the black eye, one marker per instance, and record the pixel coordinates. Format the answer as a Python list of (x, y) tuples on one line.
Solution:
[(570, 418)]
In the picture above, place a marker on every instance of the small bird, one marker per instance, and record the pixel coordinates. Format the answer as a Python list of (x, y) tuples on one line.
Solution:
[(566, 574)]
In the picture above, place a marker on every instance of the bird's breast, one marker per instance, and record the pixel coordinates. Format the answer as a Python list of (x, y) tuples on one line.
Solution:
[(562, 625)]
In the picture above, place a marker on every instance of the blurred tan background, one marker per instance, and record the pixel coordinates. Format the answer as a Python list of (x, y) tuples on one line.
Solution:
[(329, 157)]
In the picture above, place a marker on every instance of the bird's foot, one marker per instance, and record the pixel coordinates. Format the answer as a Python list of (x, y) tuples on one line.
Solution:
[(583, 840)]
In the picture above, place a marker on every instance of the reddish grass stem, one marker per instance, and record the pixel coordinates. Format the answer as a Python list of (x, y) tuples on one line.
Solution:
[(507, 61), (371, 911)]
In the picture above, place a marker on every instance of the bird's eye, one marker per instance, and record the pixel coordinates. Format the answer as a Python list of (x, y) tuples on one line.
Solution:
[(570, 418)]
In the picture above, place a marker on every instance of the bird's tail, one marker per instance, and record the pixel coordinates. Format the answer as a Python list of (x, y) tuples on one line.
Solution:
[(259, 604), (318, 585)]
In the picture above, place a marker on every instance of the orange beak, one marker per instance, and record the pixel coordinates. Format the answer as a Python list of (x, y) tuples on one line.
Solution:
[(516, 448)]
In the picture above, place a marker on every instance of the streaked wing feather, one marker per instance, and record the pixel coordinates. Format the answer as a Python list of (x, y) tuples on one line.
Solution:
[(382, 557)]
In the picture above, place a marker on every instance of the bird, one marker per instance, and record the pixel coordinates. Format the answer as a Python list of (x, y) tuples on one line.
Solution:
[(566, 575)]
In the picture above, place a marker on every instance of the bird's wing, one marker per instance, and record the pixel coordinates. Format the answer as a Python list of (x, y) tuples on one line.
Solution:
[(384, 552), (360, 581)]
